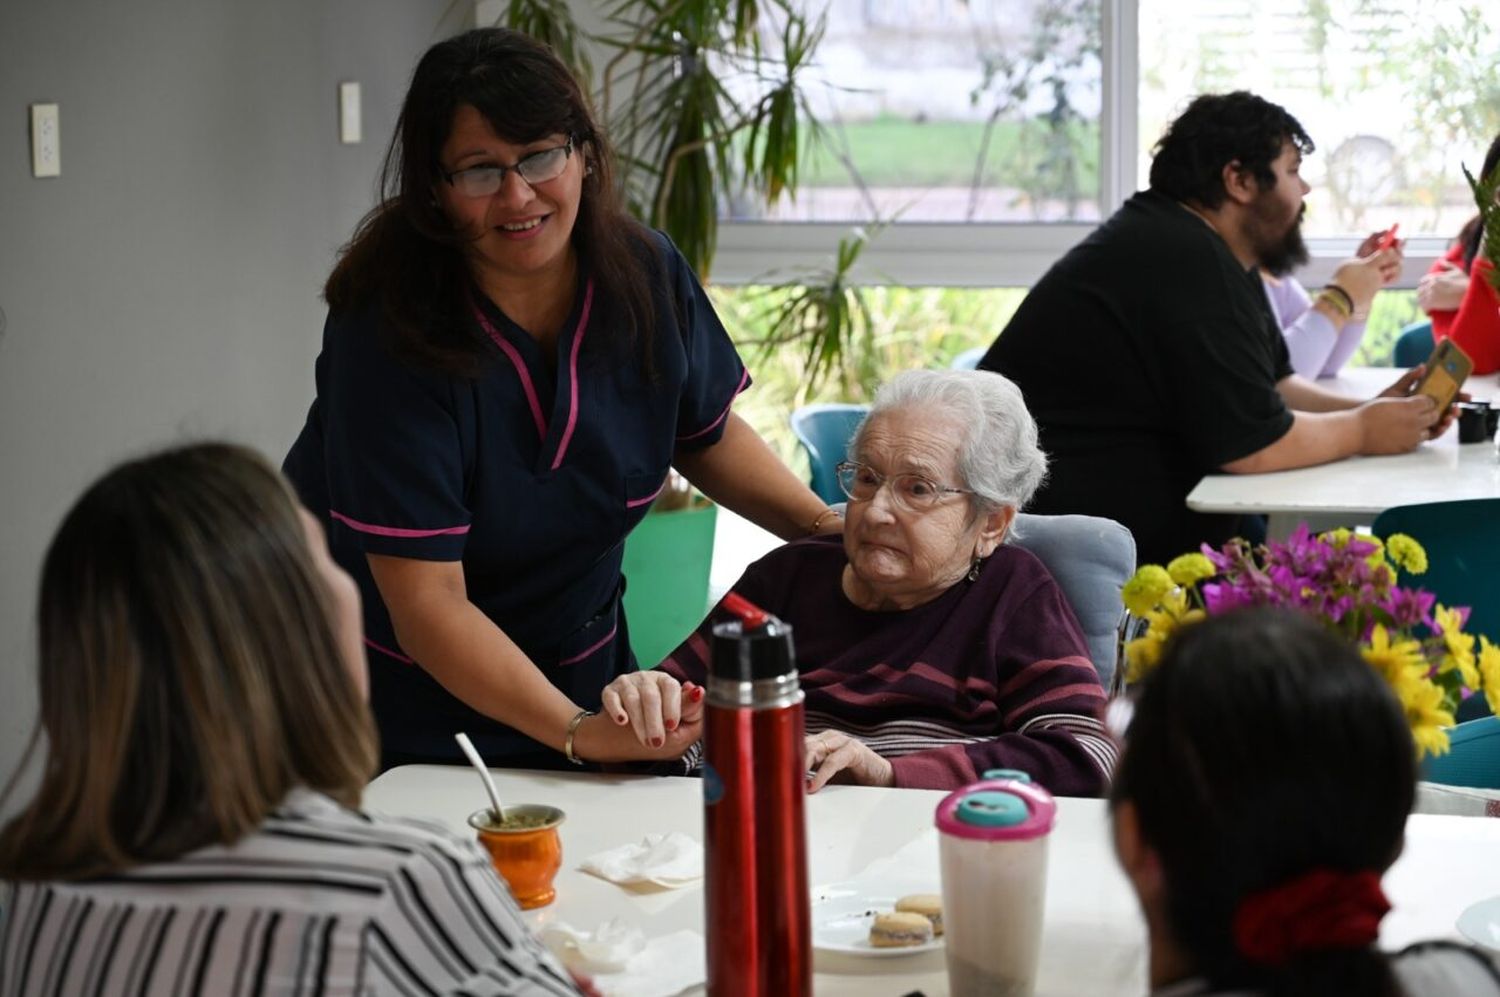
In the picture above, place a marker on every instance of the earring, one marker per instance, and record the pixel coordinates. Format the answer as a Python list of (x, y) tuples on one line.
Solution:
[(974, 568), (588, 170)]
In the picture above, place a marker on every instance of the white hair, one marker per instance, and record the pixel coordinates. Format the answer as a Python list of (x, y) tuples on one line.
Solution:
[(998, 458)]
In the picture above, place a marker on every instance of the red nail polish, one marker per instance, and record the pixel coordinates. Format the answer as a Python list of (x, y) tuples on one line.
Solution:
[(621, 718), (671, 725), (657, 742), (697, 694)]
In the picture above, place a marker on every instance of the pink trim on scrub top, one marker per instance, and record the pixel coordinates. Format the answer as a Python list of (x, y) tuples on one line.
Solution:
[(593, 647), (583, 321), (744, 379), (521, 371), (396, 531)]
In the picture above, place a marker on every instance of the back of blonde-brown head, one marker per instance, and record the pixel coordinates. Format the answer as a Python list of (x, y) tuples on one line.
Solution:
[(189, 675)]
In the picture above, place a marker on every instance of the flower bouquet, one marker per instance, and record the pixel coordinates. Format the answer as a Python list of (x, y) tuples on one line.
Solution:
[(1347, 582)]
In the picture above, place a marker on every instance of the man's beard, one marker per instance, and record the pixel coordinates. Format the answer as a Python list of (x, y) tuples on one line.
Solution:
[(1278, 253)]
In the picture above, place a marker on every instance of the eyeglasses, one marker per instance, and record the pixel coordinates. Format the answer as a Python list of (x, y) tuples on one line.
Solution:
[(539, 167), (911, 492)]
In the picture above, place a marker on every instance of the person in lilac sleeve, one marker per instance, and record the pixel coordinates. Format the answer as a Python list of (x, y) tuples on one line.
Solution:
[(929, 649), (1319, 337)]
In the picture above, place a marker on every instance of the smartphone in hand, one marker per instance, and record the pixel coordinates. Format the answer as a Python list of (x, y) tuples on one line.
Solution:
[(1447, 369)]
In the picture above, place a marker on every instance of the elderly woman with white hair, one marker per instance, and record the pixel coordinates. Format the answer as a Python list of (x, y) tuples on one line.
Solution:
[(929, 649)]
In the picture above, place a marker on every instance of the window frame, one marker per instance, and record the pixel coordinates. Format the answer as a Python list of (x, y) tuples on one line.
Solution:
[(1006, 254)]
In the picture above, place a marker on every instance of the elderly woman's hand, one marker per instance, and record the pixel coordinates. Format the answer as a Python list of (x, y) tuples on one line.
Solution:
[(653, 703), (833, 752)]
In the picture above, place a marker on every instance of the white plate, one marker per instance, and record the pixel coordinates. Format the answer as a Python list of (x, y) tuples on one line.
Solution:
[(1480, 923), (843, 912)]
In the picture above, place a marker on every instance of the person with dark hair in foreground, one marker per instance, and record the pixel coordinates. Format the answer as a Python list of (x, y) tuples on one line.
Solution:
[(1150, 357), (196, 828), (511, 366), (1262, 791)]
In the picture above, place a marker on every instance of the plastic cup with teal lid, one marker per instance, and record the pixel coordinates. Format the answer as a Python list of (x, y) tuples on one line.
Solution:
[(993, 847)]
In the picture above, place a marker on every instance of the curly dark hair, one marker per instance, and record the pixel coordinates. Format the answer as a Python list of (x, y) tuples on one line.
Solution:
[(1217, 129)]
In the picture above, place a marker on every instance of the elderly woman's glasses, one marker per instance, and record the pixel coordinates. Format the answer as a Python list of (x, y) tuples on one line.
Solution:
[(911, 492), (539, 167)]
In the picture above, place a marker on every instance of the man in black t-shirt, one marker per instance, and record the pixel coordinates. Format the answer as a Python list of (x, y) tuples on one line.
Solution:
[(1148, 353)]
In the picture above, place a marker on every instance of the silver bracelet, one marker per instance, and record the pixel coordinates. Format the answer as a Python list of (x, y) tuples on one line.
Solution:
[(578, 718)]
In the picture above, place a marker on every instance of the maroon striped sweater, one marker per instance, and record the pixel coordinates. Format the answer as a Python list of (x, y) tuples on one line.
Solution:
[(991, 674)]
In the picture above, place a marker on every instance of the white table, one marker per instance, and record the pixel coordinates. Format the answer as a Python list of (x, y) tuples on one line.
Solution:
[(1356, 489), (1093, 942)]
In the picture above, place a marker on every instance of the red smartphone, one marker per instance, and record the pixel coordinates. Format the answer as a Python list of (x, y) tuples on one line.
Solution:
[(1389, 239)]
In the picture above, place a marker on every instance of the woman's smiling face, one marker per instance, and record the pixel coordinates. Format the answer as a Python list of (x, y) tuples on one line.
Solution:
[(523, 228)]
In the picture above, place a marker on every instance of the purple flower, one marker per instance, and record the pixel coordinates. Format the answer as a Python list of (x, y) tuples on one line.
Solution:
[(1409, 607)]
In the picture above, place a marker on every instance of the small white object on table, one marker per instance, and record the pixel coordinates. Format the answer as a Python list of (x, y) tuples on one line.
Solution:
[(1092, 942), (1357, 489)]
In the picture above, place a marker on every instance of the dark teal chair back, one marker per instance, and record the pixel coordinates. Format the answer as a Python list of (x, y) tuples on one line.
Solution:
[(1413, 345), (1462, 540), (824, 430), (1473, 757)]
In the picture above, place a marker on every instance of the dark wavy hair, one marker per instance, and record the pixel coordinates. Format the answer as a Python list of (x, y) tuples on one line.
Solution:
[(1188, 161), (1472, 234), (189, 672), (1261, 748), (406, 257)]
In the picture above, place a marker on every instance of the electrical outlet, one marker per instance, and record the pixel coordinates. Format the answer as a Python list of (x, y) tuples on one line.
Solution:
[(350, 131), (46, 145)]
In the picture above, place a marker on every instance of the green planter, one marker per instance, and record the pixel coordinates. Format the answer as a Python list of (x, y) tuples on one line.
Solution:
[(666, 579)]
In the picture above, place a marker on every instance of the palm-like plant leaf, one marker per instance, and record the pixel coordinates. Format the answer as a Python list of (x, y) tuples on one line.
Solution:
[(1486, 191)]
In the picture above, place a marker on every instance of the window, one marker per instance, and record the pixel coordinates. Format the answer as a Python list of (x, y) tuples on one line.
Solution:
[(953, 111), (1077, 92)]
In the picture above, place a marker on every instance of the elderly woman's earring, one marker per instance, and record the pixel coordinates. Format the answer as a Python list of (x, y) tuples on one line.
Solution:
[(974, 568)]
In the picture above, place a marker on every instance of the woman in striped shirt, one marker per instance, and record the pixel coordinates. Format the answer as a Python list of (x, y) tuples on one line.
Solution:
[(196, 828), (930, 650)]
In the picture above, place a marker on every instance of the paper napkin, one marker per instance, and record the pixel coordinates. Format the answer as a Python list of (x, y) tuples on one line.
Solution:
[(621, 962), (669, 860)]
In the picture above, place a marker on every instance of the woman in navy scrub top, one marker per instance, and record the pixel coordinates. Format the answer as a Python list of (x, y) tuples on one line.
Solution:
[(510, 367)]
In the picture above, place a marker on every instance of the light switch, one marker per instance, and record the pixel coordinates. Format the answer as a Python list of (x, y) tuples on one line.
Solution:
[(46, 145), (349, 124)]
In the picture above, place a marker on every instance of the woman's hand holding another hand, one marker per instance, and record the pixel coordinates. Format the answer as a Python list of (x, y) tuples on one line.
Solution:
[(651, 714)]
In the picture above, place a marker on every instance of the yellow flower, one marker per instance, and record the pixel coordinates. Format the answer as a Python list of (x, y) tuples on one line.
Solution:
[(1459, 645), (1407, 553), (1146, 588), (1423, 702), (1141, 656), (1489, 668), (1400, 663), (1376, 559), (1190, 569), (1338, 537)]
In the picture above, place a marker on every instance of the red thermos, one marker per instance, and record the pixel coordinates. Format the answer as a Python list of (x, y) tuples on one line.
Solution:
[(754, 787)]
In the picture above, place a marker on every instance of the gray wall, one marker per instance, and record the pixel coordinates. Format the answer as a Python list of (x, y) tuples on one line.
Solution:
[(166, 285)]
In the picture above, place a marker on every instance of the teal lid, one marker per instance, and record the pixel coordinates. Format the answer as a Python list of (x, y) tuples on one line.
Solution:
[(1014, 775), (992, 808)]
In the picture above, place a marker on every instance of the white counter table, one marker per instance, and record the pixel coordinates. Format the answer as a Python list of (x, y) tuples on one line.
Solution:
[(1355, 490), (1093, 942)]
